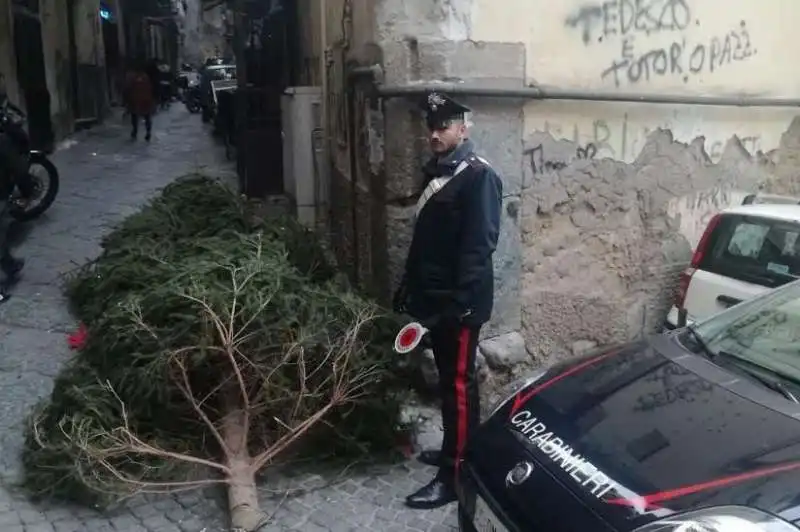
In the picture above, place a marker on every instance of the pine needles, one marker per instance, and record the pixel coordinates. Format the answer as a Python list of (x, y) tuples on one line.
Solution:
[(197, 315)]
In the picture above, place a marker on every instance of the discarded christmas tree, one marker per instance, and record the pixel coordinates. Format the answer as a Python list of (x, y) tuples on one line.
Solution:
[(212, 347)]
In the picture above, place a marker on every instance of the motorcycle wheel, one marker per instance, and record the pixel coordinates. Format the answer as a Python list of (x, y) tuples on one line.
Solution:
[(51, 183), (193, 107)]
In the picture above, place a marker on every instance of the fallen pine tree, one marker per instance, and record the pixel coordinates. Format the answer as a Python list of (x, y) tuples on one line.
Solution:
[(214, 344)]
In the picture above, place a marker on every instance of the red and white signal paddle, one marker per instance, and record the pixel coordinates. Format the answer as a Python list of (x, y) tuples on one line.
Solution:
[(409, 338)]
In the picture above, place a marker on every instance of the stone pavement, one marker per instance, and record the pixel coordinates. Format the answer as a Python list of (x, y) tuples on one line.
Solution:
[(104, 177)]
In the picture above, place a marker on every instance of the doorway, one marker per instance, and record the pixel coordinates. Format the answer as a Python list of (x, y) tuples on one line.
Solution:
[(267, 35), (31, 76)]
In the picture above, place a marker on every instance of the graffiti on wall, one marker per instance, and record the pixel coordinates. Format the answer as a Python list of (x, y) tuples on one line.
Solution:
[(541, 162), (623, 139), (694, 211), (632, 23)]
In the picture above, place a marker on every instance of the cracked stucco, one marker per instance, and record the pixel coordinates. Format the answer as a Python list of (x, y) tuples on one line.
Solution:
[(603, 240)]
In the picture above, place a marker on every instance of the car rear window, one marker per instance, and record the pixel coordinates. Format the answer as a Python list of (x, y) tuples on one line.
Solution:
[(754, 250)]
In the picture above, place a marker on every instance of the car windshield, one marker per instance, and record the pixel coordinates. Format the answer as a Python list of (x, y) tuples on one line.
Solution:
[(764, 332)]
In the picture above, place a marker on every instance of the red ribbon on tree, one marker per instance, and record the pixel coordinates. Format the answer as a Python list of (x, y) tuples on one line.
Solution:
[(77, 340)]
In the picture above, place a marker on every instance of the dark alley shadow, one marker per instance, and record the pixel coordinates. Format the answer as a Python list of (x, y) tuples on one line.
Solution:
[(18, 232)]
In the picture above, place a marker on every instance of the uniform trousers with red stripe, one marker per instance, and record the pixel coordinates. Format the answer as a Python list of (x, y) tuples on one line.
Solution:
[(454, 349)]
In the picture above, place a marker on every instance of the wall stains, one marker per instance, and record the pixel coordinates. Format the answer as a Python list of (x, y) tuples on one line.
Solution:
[(539, 162), (622, 137)]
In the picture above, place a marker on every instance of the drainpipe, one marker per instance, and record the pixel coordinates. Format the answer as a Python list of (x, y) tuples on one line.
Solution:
[(323, 109), (540, 93), (375, 74)]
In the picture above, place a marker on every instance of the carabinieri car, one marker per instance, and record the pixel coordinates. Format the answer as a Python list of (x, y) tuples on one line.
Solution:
[(696, 430)]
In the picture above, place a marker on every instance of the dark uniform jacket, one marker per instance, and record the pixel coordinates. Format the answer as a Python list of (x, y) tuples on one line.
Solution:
[(449, 272)]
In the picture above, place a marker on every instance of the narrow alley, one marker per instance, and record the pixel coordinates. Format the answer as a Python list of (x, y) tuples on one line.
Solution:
[(104, 178)]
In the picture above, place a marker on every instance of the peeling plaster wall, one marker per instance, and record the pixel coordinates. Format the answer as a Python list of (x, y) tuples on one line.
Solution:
[(604, 240), (616, 195)]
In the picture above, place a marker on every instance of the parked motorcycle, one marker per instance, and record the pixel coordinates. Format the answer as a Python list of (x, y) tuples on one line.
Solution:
[(43, 184), (192, 97)]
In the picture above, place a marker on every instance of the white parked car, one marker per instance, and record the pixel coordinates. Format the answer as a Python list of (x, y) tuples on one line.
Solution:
[(744, 251)]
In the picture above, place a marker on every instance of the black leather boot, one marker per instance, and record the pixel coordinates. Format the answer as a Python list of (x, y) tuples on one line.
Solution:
[(435, 494)]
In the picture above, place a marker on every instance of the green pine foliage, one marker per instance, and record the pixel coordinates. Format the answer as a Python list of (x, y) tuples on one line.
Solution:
[(143, 302)]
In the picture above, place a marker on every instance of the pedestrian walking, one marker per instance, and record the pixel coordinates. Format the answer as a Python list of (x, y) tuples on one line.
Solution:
[(140, 99), (164, 83), (448, 283)]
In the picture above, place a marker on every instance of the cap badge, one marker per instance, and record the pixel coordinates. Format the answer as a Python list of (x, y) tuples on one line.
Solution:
[(435, 100)]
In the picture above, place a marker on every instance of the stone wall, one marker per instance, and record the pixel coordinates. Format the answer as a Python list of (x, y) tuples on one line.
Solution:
[(604, 240), (55, 35), (203, 33)]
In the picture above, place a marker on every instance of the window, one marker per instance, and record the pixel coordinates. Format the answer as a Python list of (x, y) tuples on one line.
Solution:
[(755, 250), (747, 240)]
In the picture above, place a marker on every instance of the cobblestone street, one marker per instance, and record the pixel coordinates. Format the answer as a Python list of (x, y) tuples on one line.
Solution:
[(104, 177)]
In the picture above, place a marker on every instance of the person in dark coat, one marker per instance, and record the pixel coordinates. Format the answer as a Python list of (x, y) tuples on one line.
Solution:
[(13, 170), (140, 98), (448, 283)]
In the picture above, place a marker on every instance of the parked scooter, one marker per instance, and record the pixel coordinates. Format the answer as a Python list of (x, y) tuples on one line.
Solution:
[(192, 97), (40, 190)]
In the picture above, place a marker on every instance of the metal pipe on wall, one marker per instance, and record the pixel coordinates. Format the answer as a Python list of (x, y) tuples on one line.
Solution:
[(323, 106), (536, 93), (323, 55)]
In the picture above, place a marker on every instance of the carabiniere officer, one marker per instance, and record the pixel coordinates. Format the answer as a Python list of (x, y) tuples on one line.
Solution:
[(448, 283)]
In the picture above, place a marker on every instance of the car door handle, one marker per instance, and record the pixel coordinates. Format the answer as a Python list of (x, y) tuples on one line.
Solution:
[(728, 300)]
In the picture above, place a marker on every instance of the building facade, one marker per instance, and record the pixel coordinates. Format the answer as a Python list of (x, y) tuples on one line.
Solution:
[(206, 31), (63, 60), (619, 127)]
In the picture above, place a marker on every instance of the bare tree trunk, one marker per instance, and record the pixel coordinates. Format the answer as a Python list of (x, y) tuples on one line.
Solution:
[(246, 515)]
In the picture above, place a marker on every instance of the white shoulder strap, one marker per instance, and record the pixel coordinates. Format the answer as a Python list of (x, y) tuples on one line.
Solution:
[(436, 184)]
